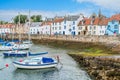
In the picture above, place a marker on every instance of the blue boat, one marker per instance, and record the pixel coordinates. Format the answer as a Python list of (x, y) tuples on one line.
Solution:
[(37, 54), (16, 53)]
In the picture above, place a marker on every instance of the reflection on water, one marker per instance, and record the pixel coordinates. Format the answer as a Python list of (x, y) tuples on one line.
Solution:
[(69, 70), (36, 74)]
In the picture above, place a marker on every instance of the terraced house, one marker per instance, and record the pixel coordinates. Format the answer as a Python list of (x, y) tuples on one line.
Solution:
[(113, 27), (94, 25), (66, 25)]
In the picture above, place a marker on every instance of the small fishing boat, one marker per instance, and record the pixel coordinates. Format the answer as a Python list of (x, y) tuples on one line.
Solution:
[(10, 46), (36, 63), (16, 53)]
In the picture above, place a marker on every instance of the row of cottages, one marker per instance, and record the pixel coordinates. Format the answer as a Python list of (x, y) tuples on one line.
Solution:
[(13, 29), (61, 25), (6, 28), (90, 26), (45, 28), (66, 25)]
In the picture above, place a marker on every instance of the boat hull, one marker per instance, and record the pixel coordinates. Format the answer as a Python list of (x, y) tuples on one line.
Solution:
[(37, 66), (22, 54), (15, 47), (15, 55)]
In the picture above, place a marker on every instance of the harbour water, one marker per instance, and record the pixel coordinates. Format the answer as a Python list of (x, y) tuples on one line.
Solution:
[(68, 71)]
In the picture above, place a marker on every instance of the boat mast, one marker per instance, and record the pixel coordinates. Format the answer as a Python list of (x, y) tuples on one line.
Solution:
[(19, 27), (29, 27)]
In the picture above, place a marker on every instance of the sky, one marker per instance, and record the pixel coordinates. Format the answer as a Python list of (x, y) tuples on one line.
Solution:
[(50, 8)]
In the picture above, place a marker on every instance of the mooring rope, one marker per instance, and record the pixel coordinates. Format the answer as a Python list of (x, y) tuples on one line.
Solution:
[(6, 65)]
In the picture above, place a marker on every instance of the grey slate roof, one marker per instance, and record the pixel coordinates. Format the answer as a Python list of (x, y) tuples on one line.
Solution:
[(71, 18)]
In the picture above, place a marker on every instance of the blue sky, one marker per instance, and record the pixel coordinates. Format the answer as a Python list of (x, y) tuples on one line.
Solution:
[(50, 8)]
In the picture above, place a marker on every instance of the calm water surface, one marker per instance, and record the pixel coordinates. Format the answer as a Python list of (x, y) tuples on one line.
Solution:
[(69, 70)]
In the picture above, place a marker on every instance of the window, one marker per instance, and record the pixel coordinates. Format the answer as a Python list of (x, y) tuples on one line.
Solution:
[(78, 33), (59, 32), (90, 28), (89, 32), (55, 28), (59, 27), (73, 28), (73, 22), (94, 32), (108, 26), (64, 22), (115, 27), (80, 28), (94, 27), (64, 27), (113, 22)]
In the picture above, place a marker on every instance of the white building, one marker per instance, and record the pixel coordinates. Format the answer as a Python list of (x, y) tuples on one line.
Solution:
[(35, 27), (45, 28), (92, 27), (6, 28), (66, 25), (57, 26)]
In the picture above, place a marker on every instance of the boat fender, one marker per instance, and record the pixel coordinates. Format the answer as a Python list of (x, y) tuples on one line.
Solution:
[(6, 65), (20, 60)]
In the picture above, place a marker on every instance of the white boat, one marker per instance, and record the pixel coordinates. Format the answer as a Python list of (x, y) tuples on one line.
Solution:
[(36, 63), (14, 46), (27, 42)]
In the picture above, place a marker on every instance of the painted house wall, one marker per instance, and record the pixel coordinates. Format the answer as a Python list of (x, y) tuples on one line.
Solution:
[(56, 28), (81, 30), (101, 29), (45, 29), (35, 27), (112, 28), (4, 30)]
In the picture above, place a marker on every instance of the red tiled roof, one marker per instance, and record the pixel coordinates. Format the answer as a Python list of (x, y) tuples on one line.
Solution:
[(58, 20), (96, 21), (104, 21), (46, 23), (115, 17), (87, 21), (6, 25)]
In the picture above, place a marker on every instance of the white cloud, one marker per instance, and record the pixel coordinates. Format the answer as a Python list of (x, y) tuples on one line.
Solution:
[(110, 4), (7, 15)]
